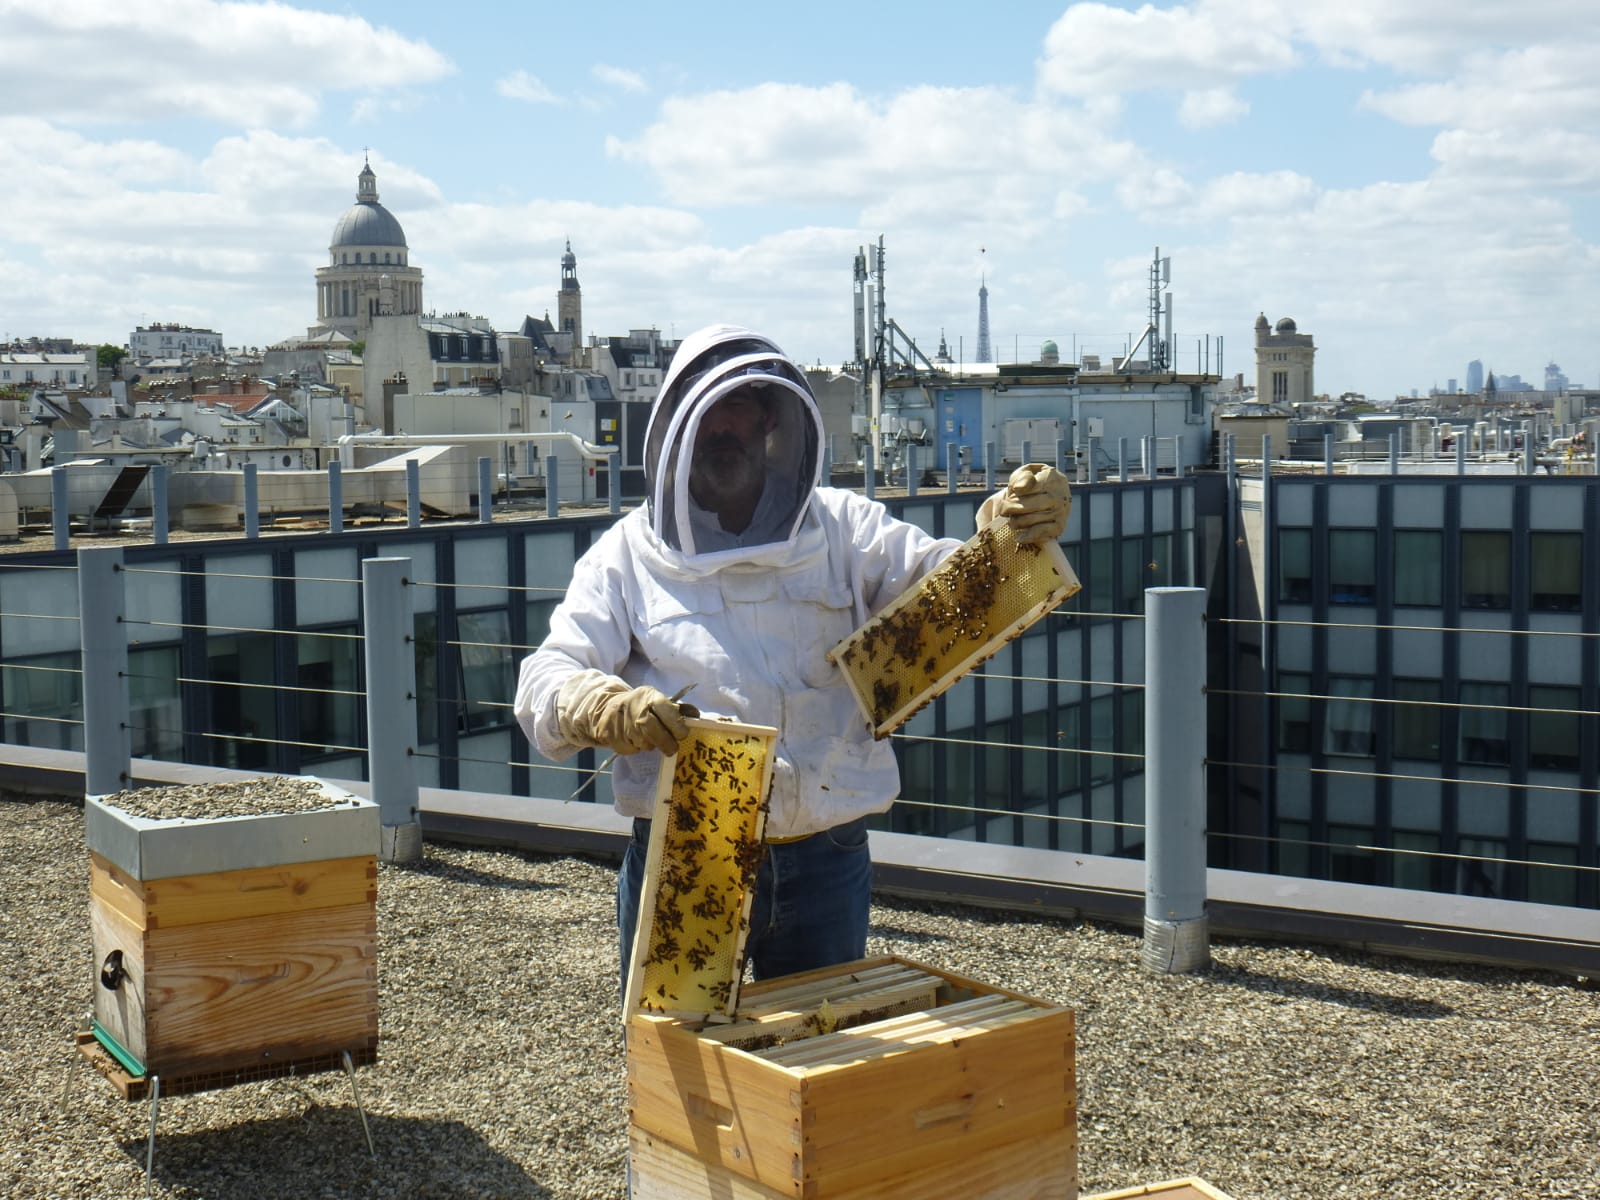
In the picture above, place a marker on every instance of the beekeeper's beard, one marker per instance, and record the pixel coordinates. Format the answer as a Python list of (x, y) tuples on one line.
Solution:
[(727, 476)]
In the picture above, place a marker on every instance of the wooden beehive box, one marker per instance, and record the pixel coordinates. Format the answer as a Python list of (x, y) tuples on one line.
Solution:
[(238, 945), (953, 618), (880, 1080)]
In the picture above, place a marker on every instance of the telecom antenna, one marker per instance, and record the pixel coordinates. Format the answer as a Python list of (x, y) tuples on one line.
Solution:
[(1160, 347)]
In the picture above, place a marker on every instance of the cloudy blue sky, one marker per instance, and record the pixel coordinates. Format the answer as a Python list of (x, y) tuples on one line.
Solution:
[(1414, 181)]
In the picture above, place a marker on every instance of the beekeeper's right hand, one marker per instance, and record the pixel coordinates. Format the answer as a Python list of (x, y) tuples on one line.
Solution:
[(601, 710)]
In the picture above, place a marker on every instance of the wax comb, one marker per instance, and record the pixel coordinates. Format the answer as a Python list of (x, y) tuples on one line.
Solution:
[(949, 621), (706, 843)]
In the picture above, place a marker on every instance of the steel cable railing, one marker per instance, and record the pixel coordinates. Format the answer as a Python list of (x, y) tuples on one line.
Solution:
[(978, 808)]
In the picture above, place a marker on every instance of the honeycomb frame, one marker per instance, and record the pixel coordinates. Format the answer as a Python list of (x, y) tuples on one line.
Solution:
[(955, 617), (707, 839)]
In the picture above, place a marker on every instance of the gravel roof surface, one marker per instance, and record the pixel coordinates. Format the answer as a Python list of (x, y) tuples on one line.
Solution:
[(1283, 1072)]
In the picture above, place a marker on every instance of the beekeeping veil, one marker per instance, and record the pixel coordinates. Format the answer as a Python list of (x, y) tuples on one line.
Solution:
[(710, 364)]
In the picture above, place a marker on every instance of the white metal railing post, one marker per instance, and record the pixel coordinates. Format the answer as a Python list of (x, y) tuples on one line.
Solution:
[(988, 467), (552, 486), (413, 494), (103, 637), (60, 508), (1327, 454), (160, 519), (336, 497), (1093, 444), (252, 502), (1176, 928), (387, 610), (1122, 460), (614, 482), (871, 484), (911, 470), (485, 489), (951, 468)]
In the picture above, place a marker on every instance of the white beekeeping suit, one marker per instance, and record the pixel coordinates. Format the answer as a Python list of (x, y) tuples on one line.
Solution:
[(668, 597)]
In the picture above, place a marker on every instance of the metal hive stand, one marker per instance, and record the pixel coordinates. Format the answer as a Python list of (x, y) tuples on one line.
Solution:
[(119, 1071)]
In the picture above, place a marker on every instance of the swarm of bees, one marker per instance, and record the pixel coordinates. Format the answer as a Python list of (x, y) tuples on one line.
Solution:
[(960, 614), (707, 847)]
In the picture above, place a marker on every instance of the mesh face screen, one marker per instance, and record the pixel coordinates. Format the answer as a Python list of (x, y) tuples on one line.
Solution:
[(957, 615), (705, 848)]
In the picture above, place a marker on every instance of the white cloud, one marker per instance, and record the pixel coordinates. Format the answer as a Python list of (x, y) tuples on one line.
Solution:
[(1497, 159), (1210, 107), (1095, 48), (519, 85), (788, 144), (1533, 89), (620, 78), (242, 64), (1239, 194), (1162, 192), (1435, 36)]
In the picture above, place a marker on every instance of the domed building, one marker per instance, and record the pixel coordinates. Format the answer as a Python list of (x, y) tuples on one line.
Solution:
[(1049, 353), (367, 268)]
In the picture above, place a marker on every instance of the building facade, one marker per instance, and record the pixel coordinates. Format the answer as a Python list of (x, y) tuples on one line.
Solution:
[(173, 341), (1284, 375)]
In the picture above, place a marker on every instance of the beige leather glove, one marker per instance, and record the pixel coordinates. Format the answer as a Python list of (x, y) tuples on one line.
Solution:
[(626, 719), (1037, 501)]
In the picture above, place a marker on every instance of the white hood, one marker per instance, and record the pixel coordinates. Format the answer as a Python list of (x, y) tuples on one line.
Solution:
[(709, 364)]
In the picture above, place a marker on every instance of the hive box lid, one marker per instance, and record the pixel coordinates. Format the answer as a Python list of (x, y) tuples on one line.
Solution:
[(149, 848)]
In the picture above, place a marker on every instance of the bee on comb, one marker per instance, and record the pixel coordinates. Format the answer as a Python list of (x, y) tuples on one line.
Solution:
[(955, 617), (706, 844)]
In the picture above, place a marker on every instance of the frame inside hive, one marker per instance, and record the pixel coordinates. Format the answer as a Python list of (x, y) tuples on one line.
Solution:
[(706, 843), (948, 622)]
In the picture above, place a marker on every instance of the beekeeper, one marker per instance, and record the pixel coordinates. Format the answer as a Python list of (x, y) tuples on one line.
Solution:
[(737, 576)]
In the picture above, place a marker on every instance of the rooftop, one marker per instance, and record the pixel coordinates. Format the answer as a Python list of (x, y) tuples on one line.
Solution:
[(1282, 1072)]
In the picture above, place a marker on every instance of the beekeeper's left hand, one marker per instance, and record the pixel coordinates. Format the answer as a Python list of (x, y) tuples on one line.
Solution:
[(1036, 500)]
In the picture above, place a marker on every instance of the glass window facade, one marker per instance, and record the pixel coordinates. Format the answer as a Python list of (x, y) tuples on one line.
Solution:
[(1418, 567), (1485, 569), (1352, 566)]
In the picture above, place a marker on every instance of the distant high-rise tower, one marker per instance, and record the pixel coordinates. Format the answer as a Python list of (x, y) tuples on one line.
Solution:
[(984, 355), (1475, 376), (569, 302)]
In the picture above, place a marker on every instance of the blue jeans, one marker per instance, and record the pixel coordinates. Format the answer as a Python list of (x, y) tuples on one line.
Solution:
[(811, 907)]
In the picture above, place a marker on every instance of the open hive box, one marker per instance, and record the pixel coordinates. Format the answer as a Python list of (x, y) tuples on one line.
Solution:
[(877, 1079), (234, 929), (880, 1079), (954, 618)]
